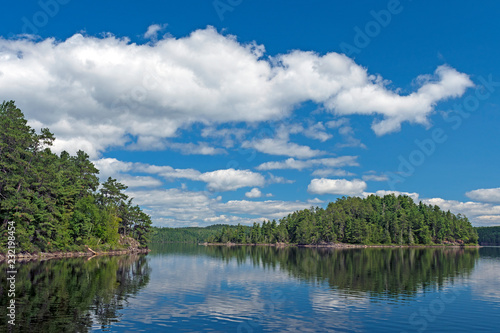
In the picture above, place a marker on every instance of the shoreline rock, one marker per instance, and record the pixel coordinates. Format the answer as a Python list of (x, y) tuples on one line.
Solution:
[(22, 257)]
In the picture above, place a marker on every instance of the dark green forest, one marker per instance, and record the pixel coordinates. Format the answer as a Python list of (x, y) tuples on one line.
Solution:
[(374, 220), (187, 234), (489, 235), (51, 202)]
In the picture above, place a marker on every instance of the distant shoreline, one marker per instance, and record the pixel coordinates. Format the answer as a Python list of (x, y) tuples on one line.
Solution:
[(343, 245)]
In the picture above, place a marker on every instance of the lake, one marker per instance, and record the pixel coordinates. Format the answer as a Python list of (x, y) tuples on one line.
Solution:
[(191, 288)]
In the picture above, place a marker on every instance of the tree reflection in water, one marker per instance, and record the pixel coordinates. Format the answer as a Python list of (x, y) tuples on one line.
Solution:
[(74, 294), (380, 271)]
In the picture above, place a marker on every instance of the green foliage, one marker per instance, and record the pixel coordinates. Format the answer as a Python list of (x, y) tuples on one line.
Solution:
[(489, 235), (53, 200), (187, 235), (373, 220)]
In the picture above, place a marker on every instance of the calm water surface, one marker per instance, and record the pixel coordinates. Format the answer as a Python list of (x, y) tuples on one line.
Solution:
[(190, 288)]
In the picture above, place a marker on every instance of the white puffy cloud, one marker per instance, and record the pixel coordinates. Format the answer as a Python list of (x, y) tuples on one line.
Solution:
[(254, 193), (375, 98), (336, 186), (291, 163), (98, 92), (231, 179), (485, 195), (111, 167), (218, 180)]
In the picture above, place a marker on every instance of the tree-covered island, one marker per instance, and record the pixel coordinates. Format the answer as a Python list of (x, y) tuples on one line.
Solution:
[(388, 220), (53, 203)]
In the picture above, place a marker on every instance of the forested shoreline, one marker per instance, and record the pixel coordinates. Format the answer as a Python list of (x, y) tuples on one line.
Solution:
[(51, 203), (187, 234), (389, 220), (489, 235)]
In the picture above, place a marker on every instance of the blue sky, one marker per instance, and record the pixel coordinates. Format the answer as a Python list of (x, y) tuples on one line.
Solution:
[(236, 111)]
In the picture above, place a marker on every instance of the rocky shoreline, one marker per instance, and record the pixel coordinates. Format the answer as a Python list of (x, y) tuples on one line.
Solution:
[(21, 257)]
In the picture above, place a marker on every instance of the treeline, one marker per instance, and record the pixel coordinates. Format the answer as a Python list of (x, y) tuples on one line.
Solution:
[(353, 220), (52, 202), (489, 235), (186, 235)]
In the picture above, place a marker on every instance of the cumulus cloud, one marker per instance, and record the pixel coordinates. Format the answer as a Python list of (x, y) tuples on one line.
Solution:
[(231, 179), (99, 92), (374, 98), (292, 163), (491, 195), (254, 193), (218, 180), (336, 186)]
